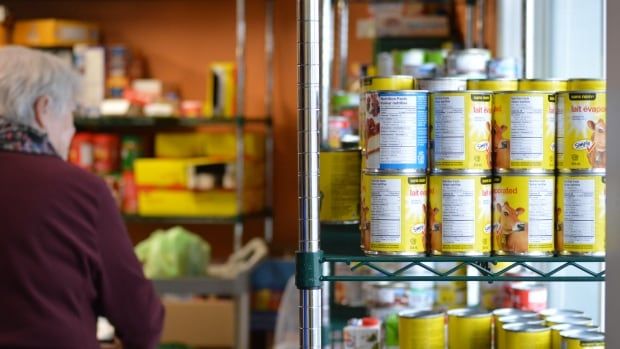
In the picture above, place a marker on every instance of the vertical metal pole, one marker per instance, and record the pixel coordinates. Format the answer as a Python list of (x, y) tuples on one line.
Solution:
[(343, 43), (269, 51), (528, 38), (469, 23), (480, 23), (308, 139), (240, 57), (327, 59)]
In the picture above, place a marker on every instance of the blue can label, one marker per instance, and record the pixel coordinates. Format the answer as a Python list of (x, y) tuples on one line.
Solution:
[(396, 130)]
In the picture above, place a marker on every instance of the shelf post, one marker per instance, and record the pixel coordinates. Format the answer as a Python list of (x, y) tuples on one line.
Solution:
[(327, 59), (308, 141), (269, 51), (343, 43), (239, 127)]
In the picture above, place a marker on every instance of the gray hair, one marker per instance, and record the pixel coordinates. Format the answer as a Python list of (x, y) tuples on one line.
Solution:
[(26, 75)]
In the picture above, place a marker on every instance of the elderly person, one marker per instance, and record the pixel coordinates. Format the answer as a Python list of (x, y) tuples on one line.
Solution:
[(65, 257)]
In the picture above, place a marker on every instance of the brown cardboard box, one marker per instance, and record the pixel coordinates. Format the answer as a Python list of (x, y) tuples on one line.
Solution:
[(209, 323)]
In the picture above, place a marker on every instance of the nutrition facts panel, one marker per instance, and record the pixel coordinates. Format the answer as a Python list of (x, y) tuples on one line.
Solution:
[(579, 211), (449, 128), (399, 128), (385, 211), (458, 213), (526, 128), (541, 204)]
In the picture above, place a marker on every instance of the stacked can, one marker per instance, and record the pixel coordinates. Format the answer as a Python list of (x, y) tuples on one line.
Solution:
[(524, 165), (459, 212), (581, 162), (394, 142)]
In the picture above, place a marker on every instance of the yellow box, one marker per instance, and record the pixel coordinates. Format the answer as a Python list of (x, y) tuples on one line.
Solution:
[(54, 33), (208, 323), (224, 144), (213, 203), (221, 90)]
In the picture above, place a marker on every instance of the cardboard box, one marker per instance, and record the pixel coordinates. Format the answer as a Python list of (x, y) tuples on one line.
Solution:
[(199, 323), (54, 33), (214, 203), (212, 143)]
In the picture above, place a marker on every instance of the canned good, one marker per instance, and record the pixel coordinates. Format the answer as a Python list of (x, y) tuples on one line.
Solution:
[(451, 294), (389, 83), (469, 329), (503, 312), (556, 338), (393, 214), (587, 84), (339, 189), (521, 319), (554, 312), (531, 297), (582, 340), (364, 334), (582, 131), (471, 61), (493, 84), (523, 209), (520, 336), (524, 130), (550, 85), (459, 214), (422, 329), (81, 151), (395, 130), (129, 193), (105, 153), (221, 90), (461, 130), (573, 320), (443, 84), (581, 214), (131, 149)]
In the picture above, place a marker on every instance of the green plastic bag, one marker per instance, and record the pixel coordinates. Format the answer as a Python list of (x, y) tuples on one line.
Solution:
[(173, 253)]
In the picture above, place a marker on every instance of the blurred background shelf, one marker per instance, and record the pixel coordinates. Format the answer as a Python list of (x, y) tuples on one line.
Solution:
[(138, 219), (205, 285), (140, 122)]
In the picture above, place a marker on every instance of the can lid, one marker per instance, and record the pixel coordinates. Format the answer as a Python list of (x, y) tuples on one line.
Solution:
[(444, 78), (555, 311), (520, 317), (370, 321), (468, 312), (420, 314), (585, 336), (493, 80), (520, 92), (577, 320), (566, 327), (526, 328), (502, 312)]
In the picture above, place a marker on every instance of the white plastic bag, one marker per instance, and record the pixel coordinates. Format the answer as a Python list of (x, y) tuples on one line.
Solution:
[(287, 324)]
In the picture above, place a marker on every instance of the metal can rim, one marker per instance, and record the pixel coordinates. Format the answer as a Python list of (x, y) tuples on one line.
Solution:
[(582, 91), (468, 313), (420, 314), (568, 319), (493, 80), (443, 78), (573, 327), (525, 328), (508, 318), (558, 311), (577, 173), (400, 173), (462, 91), (394, 91), (583, 335), (546, 80), (516, 92), (470, 173), (524, 173)]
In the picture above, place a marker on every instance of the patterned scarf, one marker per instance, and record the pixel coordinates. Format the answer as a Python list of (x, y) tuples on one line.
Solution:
[(24, 139)]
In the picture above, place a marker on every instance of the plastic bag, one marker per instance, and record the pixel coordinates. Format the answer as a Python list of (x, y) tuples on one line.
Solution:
[(287, 324), (173, 253)]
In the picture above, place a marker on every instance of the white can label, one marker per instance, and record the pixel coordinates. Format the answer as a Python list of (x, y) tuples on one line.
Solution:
[(579, 211), (449, 128), (541, 205), (526, 128), (386, 211), (459, 226)]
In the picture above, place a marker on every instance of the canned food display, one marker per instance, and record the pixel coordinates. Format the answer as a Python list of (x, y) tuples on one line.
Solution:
[(550, 85), (587, 84), (574, 320), (524, 318), (393, 214), (523, 214), (564, 312), (460, 123), (105, 153), (469, 329), (389, 83), (582, 131), (339, 189), (394, 126), (459, 215), (581, 214), (529, 297), (524, 131), (519, 336), (582, 340), (443, 84), (493, 84), (556, 338), (421, 329)]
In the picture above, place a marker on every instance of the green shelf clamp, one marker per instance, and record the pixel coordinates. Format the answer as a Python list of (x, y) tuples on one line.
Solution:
[(308, 270)]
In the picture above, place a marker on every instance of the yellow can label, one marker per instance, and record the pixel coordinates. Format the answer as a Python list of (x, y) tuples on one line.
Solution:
[(582, 131), (493, 84), (524, 130), (455, 225), (543, 85), (393, 216), (581, 214), (389, 83), (450, 297), (523, 209), (469, 332), (529, 340), (587, 84), (339, 186), (575, 343), (421, 333), (461, 130)]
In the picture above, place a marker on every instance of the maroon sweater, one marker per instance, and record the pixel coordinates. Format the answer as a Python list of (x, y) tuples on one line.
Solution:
[(65, 258)]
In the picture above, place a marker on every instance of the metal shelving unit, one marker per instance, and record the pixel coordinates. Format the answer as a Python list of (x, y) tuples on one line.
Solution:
[(314, 37)]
